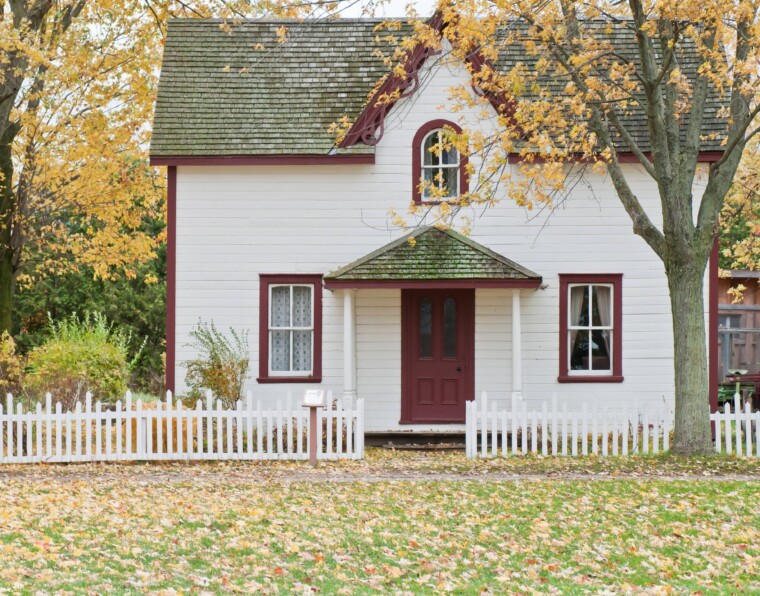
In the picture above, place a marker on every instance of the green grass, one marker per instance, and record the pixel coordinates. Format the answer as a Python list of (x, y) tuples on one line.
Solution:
[(220, 527)]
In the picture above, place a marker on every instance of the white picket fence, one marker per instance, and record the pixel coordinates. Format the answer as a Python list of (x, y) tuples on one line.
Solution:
[(168, 430), (737, 431), (492, 431), (555, 431)]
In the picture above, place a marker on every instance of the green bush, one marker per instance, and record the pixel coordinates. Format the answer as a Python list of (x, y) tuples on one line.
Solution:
[(86, 354), (222, 363)]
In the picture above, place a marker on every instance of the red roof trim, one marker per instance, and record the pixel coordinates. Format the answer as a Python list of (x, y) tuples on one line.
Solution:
[(368, 127), (530, 284), (262, 160), (702, 157)]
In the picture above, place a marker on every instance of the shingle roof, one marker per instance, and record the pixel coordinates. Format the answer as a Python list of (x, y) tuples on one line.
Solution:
[(433, 255), (277, 100), (221, 96)]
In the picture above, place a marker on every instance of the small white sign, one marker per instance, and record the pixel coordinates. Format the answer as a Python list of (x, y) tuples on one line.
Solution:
[(314, 397)]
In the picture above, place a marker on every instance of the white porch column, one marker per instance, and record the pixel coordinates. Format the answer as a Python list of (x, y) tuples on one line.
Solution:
[(349, 343), (516, 346)]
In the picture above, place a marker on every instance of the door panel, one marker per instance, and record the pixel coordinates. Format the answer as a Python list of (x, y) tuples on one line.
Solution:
[(437, 351)]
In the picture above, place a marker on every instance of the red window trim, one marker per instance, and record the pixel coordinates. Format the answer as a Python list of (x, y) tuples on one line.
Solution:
[(616, 279), (265, 280), (464, 183)]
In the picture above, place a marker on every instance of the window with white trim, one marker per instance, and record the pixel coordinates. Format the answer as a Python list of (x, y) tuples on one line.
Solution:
[(440, 167), (590, 328), (291, 329)]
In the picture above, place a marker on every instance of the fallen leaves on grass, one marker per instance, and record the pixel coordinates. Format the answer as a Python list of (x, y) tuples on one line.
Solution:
[(217, 528)]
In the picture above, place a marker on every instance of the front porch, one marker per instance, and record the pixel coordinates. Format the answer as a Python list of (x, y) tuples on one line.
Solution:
[(443, 314)]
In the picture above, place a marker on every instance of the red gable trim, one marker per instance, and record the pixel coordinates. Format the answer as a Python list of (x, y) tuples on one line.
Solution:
[(368, 128), (420, 284), (261, 160), (702, 157)]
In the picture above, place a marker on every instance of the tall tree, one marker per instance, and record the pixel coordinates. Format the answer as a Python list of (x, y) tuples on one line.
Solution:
[(592, 65), (77, 86)]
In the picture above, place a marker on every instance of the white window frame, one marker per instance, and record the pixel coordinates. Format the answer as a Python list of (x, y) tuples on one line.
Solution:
[(453, 192), (590, 328), (291, 329)]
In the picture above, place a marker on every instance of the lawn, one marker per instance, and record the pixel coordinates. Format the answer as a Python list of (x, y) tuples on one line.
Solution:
[(395, 523)]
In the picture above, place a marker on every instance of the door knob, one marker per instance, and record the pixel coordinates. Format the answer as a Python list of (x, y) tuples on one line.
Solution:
[(459, 369)]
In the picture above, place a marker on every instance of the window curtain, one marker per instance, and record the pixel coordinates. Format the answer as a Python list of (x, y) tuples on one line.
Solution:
[(576, 303), (603, 296)]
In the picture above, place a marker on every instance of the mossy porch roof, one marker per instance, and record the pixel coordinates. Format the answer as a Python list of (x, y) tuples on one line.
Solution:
[(430, 254)]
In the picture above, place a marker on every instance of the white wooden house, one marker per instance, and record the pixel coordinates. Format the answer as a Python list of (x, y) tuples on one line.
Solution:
[(275, 230)]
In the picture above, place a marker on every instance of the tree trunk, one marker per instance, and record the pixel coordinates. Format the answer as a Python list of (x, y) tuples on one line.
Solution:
[(692, 416), (7, 214)]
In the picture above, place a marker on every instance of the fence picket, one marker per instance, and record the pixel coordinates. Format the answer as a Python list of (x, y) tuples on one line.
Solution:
[(729, 433), (544, 430), (747, 429), (564, 429)]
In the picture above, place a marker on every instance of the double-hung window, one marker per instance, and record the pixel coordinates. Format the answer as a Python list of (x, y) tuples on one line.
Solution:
[(591, 328), (290, 328)]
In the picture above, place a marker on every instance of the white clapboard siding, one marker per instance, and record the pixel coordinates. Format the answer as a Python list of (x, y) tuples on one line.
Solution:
[(561, 431), (171, 430)]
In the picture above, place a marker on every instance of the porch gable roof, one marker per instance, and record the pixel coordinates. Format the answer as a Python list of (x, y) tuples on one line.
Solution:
[(431, 257)]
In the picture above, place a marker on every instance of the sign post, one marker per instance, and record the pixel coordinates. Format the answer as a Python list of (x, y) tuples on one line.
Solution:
[(313, 399)]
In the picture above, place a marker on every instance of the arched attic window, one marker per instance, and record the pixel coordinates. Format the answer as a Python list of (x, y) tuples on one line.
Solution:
[(437, 165)]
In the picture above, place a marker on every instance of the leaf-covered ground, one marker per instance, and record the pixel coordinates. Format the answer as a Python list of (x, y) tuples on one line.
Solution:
[(393, 523)]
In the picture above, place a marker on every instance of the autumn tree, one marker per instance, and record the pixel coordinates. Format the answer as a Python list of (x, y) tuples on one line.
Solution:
[(77, 86), (740, 218), (680, 65)]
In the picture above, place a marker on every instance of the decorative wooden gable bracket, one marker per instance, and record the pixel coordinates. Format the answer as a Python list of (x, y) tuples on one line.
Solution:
[(368, 128)]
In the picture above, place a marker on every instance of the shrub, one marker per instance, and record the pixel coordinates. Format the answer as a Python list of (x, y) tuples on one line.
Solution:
[(222, 363), (10, 366), (82, 355)]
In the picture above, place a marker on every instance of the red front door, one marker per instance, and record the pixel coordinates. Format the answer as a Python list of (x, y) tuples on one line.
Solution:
[(437, 354)]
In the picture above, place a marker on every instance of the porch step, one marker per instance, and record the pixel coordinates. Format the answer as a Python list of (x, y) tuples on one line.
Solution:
[(417, 441)]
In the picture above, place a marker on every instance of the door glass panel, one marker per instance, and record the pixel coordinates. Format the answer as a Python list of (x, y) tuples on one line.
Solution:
[(450, 328), (426, 327)]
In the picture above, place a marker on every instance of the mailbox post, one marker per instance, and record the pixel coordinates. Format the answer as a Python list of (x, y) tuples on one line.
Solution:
[(313, 399)]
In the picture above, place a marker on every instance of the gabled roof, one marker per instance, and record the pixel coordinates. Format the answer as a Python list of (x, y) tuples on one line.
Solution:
[(231, 90), (432, 255), (220, 96)]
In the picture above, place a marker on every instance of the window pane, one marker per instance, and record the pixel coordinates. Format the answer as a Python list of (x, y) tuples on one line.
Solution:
[(578, 306), (450, 328), (600, 350), (450, 156), (426, 327), (301, 306), (579, 350), (302, 351), (602, 306), (280, 352), (450, 180), (431, 150), (428, 175), (280, 315)]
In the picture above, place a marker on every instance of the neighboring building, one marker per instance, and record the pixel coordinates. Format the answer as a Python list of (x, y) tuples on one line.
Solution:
[(739, 324), (274, 230)]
